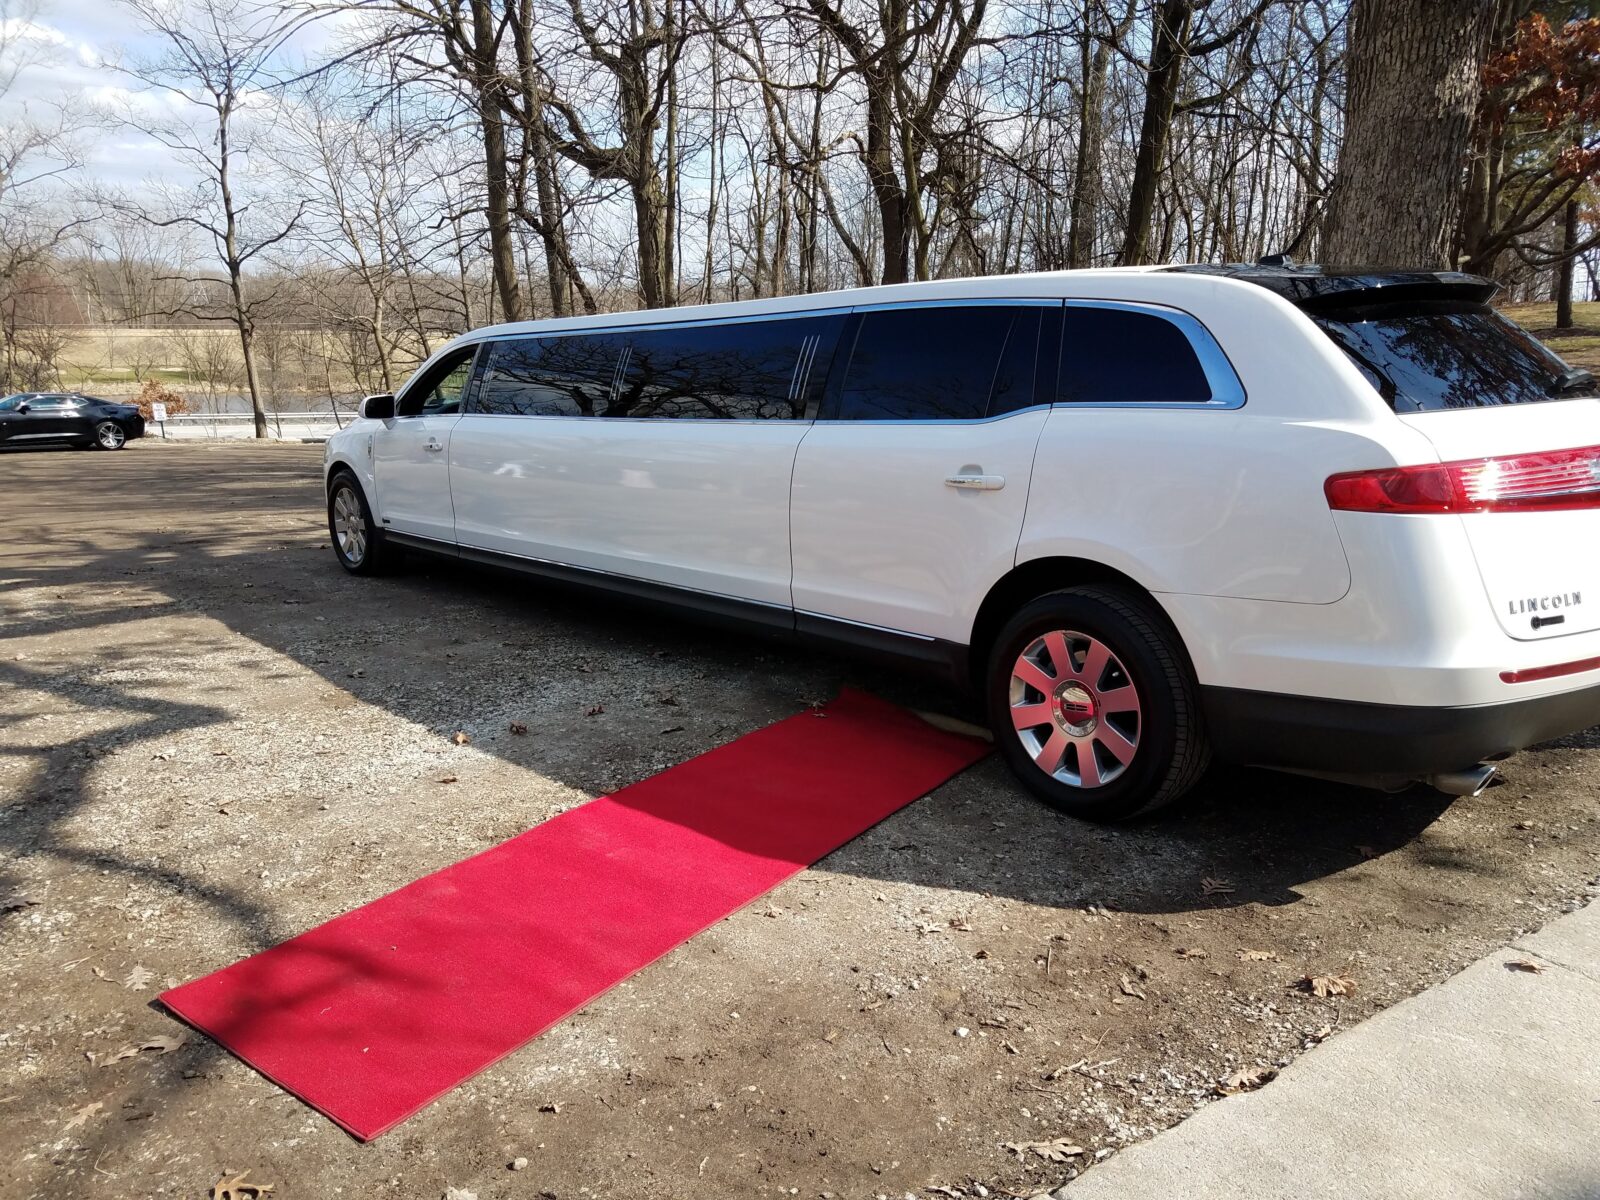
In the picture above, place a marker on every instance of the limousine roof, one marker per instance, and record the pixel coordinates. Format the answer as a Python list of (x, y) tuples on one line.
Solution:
[(1307, 286), (1040, 284)]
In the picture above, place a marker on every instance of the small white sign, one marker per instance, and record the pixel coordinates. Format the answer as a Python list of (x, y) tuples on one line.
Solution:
[(158, 413)]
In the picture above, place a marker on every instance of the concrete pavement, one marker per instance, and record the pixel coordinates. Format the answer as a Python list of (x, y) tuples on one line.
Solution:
[(1486, 1086)]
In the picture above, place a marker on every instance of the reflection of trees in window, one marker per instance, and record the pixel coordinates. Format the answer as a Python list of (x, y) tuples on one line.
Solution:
[(1468, 358), (551, 376), (745, 370), (742, 370)]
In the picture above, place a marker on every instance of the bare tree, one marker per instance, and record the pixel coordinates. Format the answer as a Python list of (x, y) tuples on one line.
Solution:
[(217, 62)]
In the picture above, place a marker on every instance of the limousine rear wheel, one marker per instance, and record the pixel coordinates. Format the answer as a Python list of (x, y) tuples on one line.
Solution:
[(1093, 705), (360, 546)]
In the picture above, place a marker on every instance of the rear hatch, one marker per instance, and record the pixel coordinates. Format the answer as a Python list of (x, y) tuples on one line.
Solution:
[(1517, 428)]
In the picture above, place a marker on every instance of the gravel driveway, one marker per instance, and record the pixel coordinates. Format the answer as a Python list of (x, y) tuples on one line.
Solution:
[(211, 738)]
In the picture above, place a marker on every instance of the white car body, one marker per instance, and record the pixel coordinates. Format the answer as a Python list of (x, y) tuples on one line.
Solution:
[(1346, 642)]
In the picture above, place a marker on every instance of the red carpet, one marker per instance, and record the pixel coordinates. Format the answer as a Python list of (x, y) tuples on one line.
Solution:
[(380, 1011)]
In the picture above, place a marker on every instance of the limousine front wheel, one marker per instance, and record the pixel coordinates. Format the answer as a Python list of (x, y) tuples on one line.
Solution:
[(1093, 705), (359, 545)]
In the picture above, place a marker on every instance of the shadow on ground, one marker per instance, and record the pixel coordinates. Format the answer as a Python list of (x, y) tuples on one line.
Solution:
[(246, 555)]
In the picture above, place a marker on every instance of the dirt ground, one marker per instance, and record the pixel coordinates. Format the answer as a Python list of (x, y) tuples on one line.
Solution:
[(211, 738)]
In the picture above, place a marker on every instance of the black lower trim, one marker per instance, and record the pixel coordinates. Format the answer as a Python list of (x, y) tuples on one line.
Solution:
[(1308, 733), (943, 660)]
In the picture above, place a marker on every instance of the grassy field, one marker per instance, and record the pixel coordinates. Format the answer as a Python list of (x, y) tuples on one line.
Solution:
[(1579, 345)]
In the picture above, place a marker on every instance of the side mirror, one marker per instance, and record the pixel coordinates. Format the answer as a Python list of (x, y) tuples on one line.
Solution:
[(22, 408), (378, 408)]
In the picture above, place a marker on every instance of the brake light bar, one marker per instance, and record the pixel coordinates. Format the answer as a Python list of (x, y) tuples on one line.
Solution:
[(1544, 482), (1530, 674)]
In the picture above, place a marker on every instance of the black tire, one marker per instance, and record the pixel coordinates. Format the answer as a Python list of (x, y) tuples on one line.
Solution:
[(371, 553), (1157, 728), (108, 435)]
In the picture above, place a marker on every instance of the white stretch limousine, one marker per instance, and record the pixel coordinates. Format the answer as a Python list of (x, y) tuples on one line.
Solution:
[(1342, 524)]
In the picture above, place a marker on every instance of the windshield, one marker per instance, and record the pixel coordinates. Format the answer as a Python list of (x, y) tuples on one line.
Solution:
[(1429, 357)]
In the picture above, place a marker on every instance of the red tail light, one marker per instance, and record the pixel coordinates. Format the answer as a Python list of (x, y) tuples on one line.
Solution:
[(1556, 479)]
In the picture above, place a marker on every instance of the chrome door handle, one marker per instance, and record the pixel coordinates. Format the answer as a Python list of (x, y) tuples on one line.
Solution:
[(433, 444), (977, 483)]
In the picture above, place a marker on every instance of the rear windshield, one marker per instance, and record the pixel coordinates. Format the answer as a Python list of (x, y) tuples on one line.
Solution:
[(1425, 358)]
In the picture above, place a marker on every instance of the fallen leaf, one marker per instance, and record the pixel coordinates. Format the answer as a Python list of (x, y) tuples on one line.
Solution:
[(1055, 1150), (518, 728), (16, 903), (99, 974), (673, 729), (447, 779), (1367, 851), (238, 1188), (1215, 887), (219, 754), (461, 737), (830, 1035), (1128, 988), (162, 1044), (1258, 956), (139, 978), (1186, 952), (1323, 986), (1246, 1079), (451, 1193), (595, 711), (82, 1115), (550, 1107), (1525, 964), (961, 924)]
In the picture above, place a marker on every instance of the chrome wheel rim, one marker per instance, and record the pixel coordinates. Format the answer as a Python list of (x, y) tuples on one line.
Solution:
[(1075, 709), (349, 528), (110, 435)]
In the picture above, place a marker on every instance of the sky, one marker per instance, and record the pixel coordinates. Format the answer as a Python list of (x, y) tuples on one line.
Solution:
[(71, 50)]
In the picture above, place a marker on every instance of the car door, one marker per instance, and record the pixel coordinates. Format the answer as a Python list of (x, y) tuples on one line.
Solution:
[(411, 452), (909, 495), (46, 418), (11, 418), (658, 454)]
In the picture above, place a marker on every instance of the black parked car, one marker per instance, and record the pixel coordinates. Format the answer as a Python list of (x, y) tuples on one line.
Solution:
[(50, 418)]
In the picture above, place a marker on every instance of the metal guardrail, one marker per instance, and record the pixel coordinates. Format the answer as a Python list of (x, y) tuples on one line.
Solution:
[(289, 427)]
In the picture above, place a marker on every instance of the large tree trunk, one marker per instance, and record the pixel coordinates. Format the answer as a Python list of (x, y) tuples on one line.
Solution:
[(1169, 42), (1569, 251), (502, 248), (1091, 128), (1415, 77), (886, 189)]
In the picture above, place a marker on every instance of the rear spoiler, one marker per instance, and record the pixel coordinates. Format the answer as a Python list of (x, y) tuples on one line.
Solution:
[(1315, 289)]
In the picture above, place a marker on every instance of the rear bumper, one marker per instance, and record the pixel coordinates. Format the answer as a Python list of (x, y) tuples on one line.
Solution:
[(1348, 737)]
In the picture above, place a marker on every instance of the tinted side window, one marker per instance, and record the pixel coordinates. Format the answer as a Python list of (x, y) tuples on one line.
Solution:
[(556, 376), (743, 370), (1113, 355), (442, 390), (943, 362)]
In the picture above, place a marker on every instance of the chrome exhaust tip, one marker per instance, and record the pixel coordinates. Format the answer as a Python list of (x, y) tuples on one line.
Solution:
[(1469, 782)]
